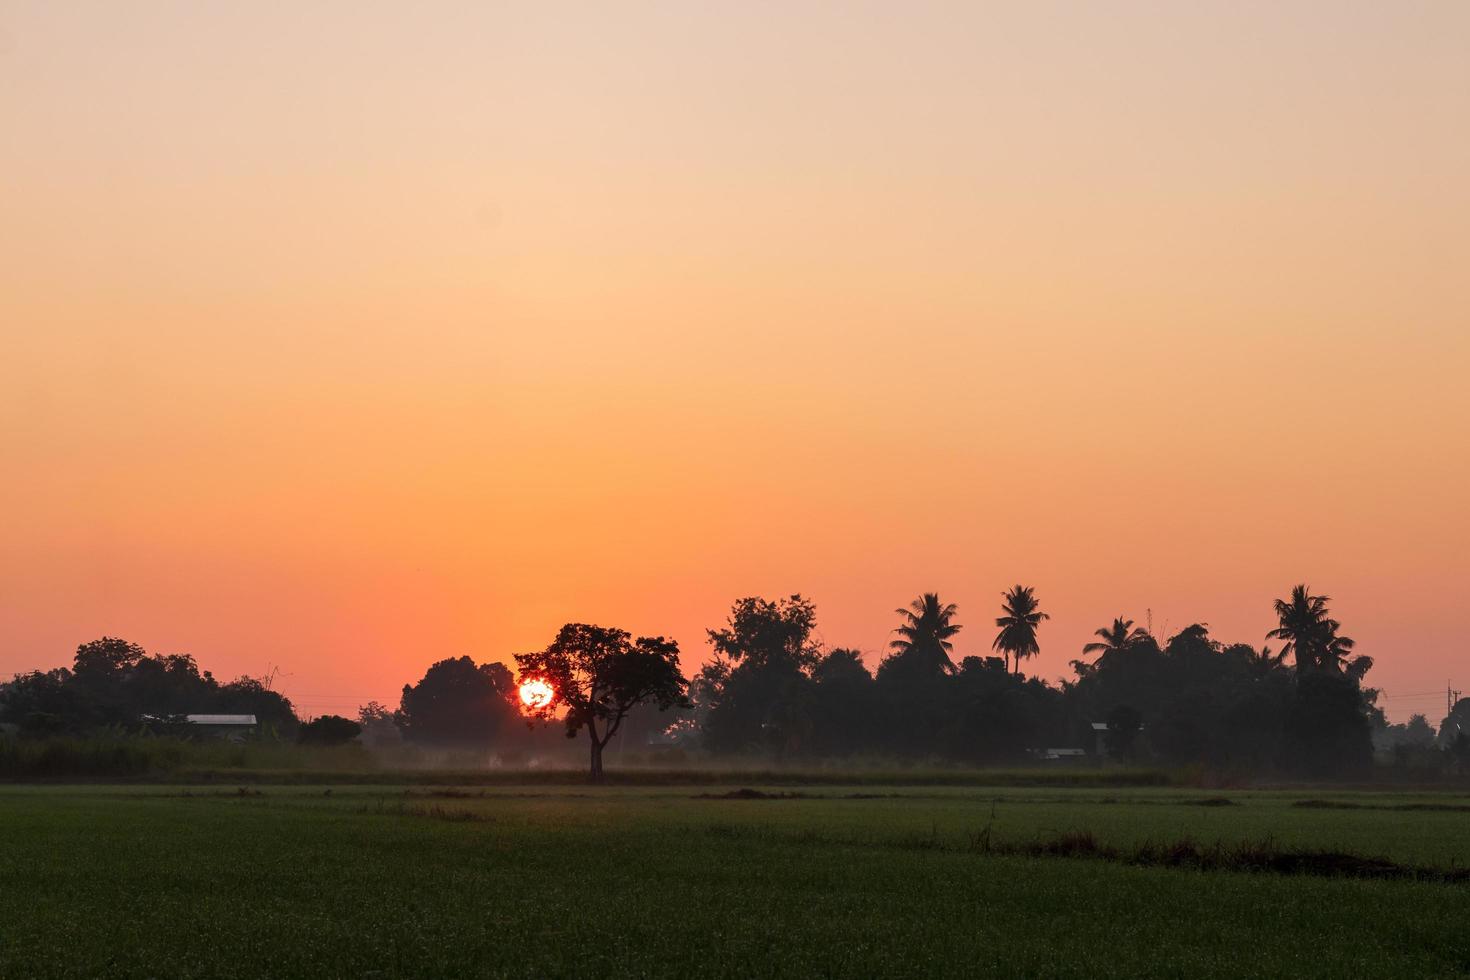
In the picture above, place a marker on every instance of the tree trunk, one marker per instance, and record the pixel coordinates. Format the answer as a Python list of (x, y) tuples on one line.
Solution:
[(596, 767)]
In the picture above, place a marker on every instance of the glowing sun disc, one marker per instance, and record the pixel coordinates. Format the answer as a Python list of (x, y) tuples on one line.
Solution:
[(536, 694)]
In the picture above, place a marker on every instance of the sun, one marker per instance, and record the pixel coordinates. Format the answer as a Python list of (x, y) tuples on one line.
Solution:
[(536, 693)]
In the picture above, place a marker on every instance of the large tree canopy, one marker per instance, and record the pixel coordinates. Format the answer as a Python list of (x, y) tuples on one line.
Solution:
[(598, 675), (754, 696), (458, 702)]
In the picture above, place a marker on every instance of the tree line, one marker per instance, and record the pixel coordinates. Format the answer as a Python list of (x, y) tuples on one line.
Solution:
[(1188, 699), (771, 690)]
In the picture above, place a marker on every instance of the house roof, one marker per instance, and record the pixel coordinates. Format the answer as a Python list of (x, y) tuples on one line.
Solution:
[(220, 719)]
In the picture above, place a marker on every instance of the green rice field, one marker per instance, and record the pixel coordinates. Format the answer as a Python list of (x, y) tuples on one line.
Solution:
[(688, 880)]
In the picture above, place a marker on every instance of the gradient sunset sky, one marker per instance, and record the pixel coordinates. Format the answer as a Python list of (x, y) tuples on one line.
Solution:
[(345, 337)]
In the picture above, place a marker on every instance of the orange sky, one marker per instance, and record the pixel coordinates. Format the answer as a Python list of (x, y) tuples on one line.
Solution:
[(346, 339)]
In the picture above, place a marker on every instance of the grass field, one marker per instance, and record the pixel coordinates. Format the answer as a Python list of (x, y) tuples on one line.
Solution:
[(632, 881)]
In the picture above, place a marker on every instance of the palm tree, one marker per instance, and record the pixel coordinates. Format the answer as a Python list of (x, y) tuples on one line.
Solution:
[(1337, 652), (1017, 636), (1310, 633), (1263, 662), (924, 636), (1114, 639)]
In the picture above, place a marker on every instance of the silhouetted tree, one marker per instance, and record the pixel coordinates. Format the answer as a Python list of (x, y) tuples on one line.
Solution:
[(763, 633), (753, 697), (378, 727), (923, 644), (843, 708), (842, 667), (1113, 640), (45, 703), (1339, 658), (1019, 620), (598, 675), (1309, 631), (250, 696), (100, 672), (169, 685), (1331, 718), (458, 702), (1458, 752), (986, 715), (1417, 731), (1262, 662), (106, 658), (328, 730), (1328, 730), (1457, 721), (1409, 745)]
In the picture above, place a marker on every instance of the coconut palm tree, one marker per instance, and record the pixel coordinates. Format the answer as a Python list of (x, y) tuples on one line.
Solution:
[(1338, 656), (925, 633), (1018, 625), (1309, 631), (1263, 662), (1114, 639)]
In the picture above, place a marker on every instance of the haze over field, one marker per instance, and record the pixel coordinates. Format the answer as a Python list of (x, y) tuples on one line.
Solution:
[(349, 338)]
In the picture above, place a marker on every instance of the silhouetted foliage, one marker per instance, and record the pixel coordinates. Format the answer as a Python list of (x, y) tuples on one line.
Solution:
[(1459, 753), (599, 675), (45, 703), (328, 730), (1456, 722), (1124, 724), (764, 634), (987, 715), (1193, 700), (250, 696), (924, 638), (1417, 731), (843, 704), (772, 690), (378, 726), (1112, 642), (1327, 727), (459, 702), (1020, 618), (115, 684), (755, 695), (1411, 745), (1312, 635)]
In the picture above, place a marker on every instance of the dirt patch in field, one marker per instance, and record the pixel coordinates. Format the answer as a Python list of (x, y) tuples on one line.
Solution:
[(430, 811), (1250, 856), (1397, 807), (750, 794), (446, 793), (756, 794)]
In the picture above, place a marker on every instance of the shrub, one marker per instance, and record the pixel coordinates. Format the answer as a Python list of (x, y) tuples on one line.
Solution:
[(328, 730)]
